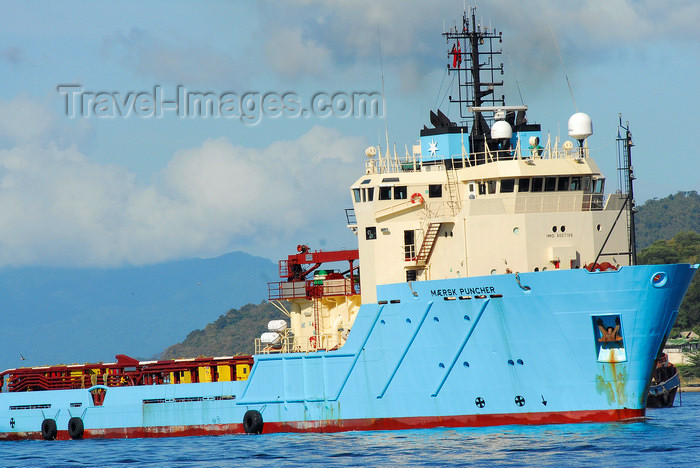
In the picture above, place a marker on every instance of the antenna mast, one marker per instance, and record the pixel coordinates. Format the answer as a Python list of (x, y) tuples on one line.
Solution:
[(626, 174), (477, 76)]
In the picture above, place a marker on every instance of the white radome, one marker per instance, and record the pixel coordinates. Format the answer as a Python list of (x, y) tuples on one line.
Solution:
[(501, 130), (371, 152), (580, 126)]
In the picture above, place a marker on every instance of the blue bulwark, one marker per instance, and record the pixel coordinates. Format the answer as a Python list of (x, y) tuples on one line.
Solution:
[(443, 146)]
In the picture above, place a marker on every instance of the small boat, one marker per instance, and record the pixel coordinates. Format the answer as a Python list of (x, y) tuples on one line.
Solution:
[(665, 383)]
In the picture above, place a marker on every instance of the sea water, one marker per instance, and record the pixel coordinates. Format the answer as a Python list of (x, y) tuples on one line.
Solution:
[(667, 437)]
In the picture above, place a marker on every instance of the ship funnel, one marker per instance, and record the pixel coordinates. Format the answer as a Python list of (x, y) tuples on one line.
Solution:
[(580, 127), (371, 152)]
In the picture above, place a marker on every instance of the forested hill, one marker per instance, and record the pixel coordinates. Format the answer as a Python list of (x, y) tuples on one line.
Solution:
[(230, 334), (663, 218), (684, 248)]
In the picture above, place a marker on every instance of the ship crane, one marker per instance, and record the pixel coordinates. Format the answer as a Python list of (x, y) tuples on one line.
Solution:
[(292, 269)]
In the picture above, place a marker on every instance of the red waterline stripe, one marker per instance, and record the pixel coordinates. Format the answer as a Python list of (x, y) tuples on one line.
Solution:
[(472, 420)]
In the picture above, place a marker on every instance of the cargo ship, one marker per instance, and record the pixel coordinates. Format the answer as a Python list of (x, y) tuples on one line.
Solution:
[(498, 285)]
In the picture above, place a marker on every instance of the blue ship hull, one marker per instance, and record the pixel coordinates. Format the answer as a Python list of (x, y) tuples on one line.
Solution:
[(460, 352)]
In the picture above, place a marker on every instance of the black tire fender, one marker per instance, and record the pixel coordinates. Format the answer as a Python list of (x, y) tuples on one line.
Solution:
[(252, 422), (49, 429), (76, 428)]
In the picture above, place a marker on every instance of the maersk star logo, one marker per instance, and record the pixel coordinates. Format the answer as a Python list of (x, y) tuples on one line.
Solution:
[(433, 147)]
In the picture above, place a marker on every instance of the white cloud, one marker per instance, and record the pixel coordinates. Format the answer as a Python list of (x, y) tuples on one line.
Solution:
[(291, 54), (24, 119), (172, 60), (58, 207), (588, 30)]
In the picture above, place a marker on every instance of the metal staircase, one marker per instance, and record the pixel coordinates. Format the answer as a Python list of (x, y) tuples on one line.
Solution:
[(426, 247)]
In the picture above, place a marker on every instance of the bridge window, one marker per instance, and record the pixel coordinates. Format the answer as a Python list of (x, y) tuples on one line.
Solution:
[(400, 192), (366, 181), (507, 185), (587, 185), (370, 194), (435, 191), (598, 185), (385, 193), (550, 184), (523, 185), (563, 184), (575, 183), (482, 188), (492, 186), (537, 184), (356, 194)]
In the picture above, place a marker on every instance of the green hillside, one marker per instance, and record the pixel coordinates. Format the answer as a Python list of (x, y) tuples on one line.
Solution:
[(663, 218), (684, 248), (230, 334)]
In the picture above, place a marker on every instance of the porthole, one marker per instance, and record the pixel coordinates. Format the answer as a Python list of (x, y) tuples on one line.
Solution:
[(562, 229), (537, 269), (598, 227), (516, 230), (441, 366), (435, 319), (659, 280), (408, 320), (465, 364), (493, 272), (554, 229)]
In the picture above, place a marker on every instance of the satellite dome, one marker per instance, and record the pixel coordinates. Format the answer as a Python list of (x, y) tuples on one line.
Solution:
[(501, 130), (371, 152), (580, 126)]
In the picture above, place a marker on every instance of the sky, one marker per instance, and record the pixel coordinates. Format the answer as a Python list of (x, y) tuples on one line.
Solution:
[(95, 173)]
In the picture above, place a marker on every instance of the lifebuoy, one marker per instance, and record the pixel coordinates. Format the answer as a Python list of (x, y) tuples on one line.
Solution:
[(312, 342), (48, 429), (417, 198), (76, 428), (252, 422)]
